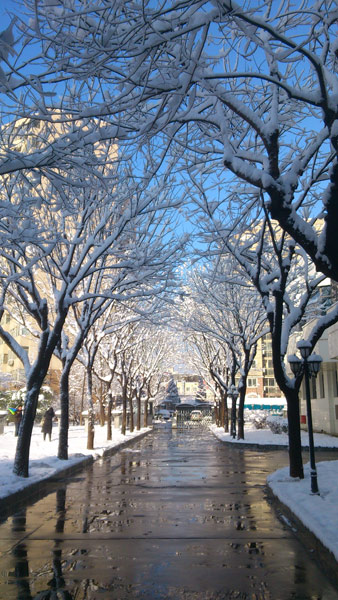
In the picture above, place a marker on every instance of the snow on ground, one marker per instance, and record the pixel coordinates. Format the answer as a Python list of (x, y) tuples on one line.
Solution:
[(42, 458), (266, 437), (318, 513)]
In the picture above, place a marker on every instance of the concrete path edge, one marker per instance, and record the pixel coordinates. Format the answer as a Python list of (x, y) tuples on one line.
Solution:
[(322, 555)]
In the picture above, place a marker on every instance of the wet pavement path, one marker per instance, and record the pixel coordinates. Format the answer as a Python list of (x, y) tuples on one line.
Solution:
[(177, 516)]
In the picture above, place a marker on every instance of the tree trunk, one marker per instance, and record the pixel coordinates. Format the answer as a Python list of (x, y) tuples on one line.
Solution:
[(226, 415), (82, 399), (240, 424), (145, 416), (91, 429), (225, 410), (295, 446), (64, 419), (131, 422), (124, 411), (216, 413), (291, 393), (109, 431), (47, 344), (222, 411), (138, 418), (21, 461), (102, 411)]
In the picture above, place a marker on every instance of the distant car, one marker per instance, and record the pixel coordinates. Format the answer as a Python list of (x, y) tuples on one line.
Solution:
[(196, 415), (163, 414)]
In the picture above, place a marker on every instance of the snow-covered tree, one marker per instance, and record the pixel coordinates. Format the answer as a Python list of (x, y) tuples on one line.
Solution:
[(172, 394), (220, 361), (244, 89), (201, 392), (243, 97), (201, 357), (113, 340), (228, 309), (88, 245), (151, 352), (286, 282)]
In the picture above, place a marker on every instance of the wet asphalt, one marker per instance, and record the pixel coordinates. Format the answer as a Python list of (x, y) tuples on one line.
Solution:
[(177, 516)]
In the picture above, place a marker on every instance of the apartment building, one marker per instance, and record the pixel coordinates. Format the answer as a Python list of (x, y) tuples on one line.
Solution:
[(188, 386), (12, 375), (261, 381)]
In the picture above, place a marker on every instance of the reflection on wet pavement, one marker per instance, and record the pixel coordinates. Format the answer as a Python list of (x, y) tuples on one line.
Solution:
[(178, 516)]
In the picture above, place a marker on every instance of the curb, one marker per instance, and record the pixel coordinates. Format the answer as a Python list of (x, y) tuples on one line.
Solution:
[(9, 504), (322, 555), (248, 445), (115, 449), (256, 446)]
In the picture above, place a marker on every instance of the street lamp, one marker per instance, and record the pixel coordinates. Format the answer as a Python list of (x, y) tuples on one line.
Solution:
[(216, 407), (309, 366), (233, 393)]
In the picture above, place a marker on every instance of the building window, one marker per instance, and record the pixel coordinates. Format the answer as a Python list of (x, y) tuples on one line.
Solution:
[(313, 388), (269, 381), (336, 408), (252, 382), (335, 382), (321, 386)]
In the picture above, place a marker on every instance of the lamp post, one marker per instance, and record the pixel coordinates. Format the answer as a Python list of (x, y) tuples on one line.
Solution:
[(233, 393), (308, 366), (216, 409)]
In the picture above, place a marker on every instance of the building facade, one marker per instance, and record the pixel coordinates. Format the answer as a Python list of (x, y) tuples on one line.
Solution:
[(261, 381), (324, 387), (12, 374)]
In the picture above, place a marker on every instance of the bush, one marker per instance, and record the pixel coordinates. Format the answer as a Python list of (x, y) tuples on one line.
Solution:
[(258, 419), (277, 424)]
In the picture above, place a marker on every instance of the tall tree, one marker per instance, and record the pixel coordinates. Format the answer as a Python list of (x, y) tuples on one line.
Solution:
[(172, 394), (229, 310), (286, 282), (86, 246), (249, 89)]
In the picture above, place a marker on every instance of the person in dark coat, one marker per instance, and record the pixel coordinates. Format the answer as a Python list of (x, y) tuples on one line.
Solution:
[(17, 419), (47, 423)]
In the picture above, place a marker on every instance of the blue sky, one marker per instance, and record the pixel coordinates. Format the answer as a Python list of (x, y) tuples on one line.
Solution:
[(6, 7)]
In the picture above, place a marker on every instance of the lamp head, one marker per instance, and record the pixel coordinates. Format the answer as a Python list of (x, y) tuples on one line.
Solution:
[(233, 392), (314, 363), (296, 364), (305, 348)]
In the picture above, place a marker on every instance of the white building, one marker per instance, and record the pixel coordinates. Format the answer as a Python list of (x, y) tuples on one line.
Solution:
[(324, 388)]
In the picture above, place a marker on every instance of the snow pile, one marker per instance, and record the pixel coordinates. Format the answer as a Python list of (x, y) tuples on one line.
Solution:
[(43, 454), (318, 513), (268, 438)]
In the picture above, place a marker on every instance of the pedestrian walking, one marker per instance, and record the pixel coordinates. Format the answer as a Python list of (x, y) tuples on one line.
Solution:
[(47, 423), (17, 420)]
